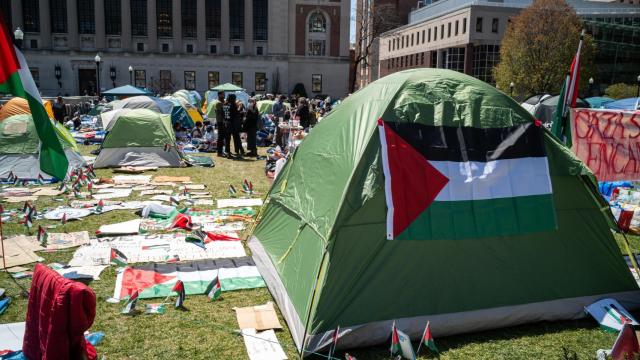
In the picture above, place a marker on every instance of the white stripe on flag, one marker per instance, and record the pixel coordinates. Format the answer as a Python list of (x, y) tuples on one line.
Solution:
[(494, 179), (25, 77), (387, 181)]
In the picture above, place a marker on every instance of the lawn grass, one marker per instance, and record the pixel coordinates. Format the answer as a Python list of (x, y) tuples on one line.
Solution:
[(207, 329)]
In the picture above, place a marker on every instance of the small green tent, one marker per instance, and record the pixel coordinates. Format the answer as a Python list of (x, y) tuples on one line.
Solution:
[(20, 148), (321, 240), (139, 137)]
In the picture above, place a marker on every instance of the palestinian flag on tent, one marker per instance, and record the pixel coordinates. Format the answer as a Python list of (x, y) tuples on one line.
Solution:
[(158, 280), (447, 182), (427, 340), (16, 79)]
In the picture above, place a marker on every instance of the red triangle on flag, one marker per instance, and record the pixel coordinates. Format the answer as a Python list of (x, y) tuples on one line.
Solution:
[(137, 279), (411, 182)]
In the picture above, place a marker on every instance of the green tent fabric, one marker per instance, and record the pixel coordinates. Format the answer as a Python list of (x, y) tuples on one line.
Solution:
[(320, 240), (265, 106), (227, 87), (140, 128)]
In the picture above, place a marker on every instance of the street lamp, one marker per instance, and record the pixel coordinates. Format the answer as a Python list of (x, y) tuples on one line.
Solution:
[(97, 59), (112, 75), (511, 86), (19, 36), (130, 75), (591, 81), (57, 71)]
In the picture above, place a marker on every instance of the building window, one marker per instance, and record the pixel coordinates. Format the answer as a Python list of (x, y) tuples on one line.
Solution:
[(86, 17), (189, 18), (261, 81), (236, 50), (422, 59), (485, 58), (464, 25), (213, 49), (316, 83), (423, 39), (428, 35), (190, 80), (316, 48), (236, 79), (35, 73), (388, 45), (442, 31), (260, 19), (236, 22), (411, 39), (58, 15), (140, 78), (449, 30), (33, 44), (164, 18), (317, 23), (456, 32), (435, 33), (165, 81), (213, 13), (259, 50), (213, 79), (139, 17), (112, 17), (30, 16), (5, 12), (434, 59), (190, 48), (165, 47), (140, 46), (455, 59), (479, 25), (494, 25)]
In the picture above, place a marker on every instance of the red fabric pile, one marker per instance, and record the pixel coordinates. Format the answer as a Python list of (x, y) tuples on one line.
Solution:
[(58, 314)]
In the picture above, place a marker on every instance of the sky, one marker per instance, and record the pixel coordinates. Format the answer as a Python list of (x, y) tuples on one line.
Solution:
[(352, 27)]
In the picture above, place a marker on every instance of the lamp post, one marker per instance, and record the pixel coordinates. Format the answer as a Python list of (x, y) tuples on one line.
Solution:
[(112, 75), (19, 36), (98, 59), (638, 92), (591, 81), (57, 71), (511, 86), (130, 75)]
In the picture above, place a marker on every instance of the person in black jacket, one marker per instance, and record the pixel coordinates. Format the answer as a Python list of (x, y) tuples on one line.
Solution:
[(302, 113), (222, 134), (251, 127), (233, 125)]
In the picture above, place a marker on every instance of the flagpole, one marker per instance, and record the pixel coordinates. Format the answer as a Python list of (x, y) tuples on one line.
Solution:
[(393, 327), (422, 338)]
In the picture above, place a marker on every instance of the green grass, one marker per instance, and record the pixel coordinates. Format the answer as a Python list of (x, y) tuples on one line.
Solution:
[(206, 330)]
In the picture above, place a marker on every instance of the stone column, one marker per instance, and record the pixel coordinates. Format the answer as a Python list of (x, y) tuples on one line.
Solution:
[(125, 38), (152, 30), (100, 28), (72, 24), (291, 12), (45, 25), (248, 27), (177, 26), (224, 26), (16, 14), (468, 59), (202, 28)]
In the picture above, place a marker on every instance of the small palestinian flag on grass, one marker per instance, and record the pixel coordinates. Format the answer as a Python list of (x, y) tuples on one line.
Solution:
[(154, 309), (197, 237), (401, 344), (232, 191), (11, 177), (42, 236), (179, 288), (16, 181), (63, 219), (100, 206), (130, 305), (28, 220), (427, 340), (174, 201), (214, 290), (247, 187), (90, 187), (348, 356), (40, 179), (185, 191), (334, 341), (26, 207), (63, 188), (118, 258)]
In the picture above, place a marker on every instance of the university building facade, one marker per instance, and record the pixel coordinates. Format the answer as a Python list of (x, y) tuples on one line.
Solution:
[(260, 45)]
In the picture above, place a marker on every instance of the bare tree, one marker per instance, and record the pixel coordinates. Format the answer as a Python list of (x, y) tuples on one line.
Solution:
[(372, 19), (164, 86)]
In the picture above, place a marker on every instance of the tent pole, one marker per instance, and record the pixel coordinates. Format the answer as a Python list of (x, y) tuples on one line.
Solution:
[(632, 256)]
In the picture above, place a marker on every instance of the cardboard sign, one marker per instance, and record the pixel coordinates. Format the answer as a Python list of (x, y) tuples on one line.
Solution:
[(261, 317), (608, 142), (610, 314)]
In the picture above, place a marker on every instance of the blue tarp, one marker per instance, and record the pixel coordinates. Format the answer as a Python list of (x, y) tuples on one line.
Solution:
[(624, 104)]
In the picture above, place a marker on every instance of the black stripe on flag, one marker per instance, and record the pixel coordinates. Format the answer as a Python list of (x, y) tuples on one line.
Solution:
[(461, 144), (199, 265)]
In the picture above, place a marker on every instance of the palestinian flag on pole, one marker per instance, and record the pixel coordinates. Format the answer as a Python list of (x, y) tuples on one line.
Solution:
[(179, 289), (448, 182), (42, 236), (157, 280), (427, 340), (215, 290), (232, 191), (334, 341), (197, 237), (561, 126), (100, 206), (130, 305), (154, 309), (15, 78), (347, 356), (118, 258), (401, 344)]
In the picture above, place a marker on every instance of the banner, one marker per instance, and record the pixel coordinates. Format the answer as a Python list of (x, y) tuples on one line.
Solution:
[(608, 142)]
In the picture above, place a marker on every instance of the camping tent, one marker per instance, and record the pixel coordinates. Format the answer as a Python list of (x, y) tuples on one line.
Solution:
[(597, 102), (126, 90), (17, 106), (163, 106), (624, 104), (139, 137), (191, 114), (532, 102), (265, 106), (321, 241), (190, 96), (20, 148), (546, 108)]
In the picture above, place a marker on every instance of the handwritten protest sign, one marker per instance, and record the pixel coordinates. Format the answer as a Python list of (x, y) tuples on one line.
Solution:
[(608, 142)]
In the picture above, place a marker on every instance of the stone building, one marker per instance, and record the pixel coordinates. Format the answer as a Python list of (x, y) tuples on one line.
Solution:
[(261, 45)]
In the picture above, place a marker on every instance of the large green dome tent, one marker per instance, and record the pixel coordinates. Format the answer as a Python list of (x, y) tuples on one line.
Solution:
[(138, 137), (321, 239), (20, 148)]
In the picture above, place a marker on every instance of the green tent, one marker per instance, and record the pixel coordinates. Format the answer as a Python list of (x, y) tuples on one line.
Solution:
[(266, 106), (139, 137), (20, 148), (227, 87), (321, 239)]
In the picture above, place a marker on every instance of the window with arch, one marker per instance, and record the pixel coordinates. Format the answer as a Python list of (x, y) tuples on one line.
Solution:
[(317, 34)]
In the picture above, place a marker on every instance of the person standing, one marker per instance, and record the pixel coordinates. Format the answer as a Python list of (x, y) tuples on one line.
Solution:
[(302, 113), (220, 142), (278, 108), (232, 124), (251, 127), (59, 110)]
